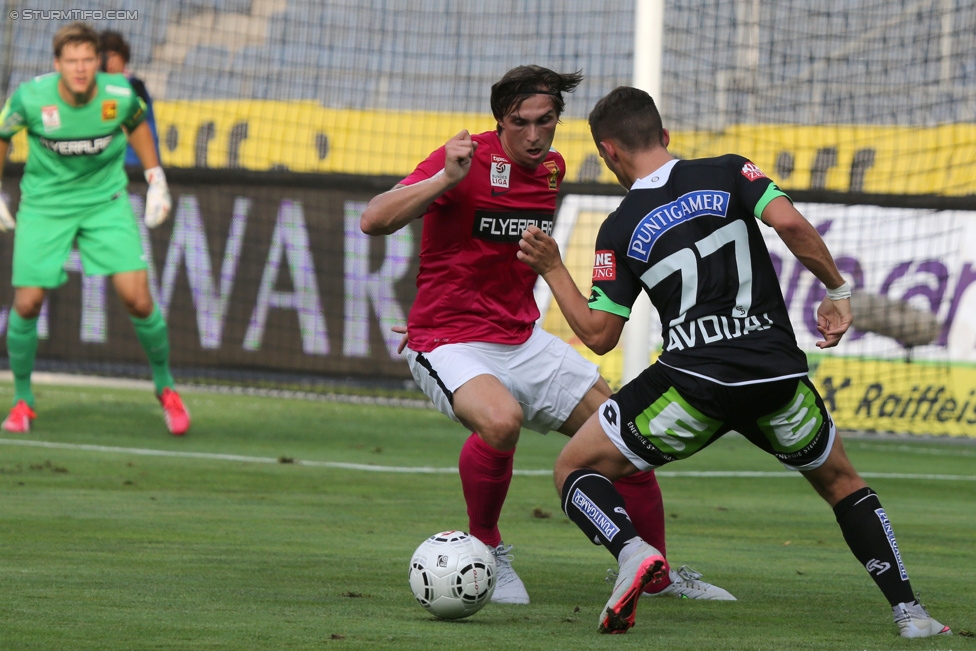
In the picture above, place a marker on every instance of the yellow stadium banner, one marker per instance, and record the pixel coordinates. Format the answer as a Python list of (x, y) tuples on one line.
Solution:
[(307, 137), (893, 396)]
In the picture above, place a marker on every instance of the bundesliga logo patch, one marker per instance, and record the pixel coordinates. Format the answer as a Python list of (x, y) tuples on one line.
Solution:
[(751, 172), (50, 117), (501, 171), (604, 266)]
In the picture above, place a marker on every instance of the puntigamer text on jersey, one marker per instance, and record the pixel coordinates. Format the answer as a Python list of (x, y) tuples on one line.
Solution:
[(694, 204)]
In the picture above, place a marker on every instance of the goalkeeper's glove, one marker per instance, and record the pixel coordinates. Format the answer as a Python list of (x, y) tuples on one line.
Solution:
[(158, 203), (7, 222)]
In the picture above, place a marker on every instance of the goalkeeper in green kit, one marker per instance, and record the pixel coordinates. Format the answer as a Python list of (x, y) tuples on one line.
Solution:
[(74, 190)]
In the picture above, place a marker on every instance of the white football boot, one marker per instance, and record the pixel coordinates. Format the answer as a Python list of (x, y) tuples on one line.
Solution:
[(509, 588), (914, 621), (686, 583)]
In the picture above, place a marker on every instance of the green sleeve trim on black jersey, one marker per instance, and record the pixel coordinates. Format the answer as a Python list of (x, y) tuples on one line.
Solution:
[(771, 193), (599, 301)]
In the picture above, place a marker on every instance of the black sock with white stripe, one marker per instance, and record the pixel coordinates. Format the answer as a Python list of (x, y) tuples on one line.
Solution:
[(595, 506), (870, 536)]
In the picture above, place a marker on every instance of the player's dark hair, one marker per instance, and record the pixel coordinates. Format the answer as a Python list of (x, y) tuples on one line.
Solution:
[(629, 117), (518, 84), (115, 42), (75, 33)]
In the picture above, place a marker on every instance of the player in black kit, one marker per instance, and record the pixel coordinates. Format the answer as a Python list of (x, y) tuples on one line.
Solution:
[(688, 234)]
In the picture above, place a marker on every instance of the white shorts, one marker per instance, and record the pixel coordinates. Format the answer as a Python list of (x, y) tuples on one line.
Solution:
[(547, 377)]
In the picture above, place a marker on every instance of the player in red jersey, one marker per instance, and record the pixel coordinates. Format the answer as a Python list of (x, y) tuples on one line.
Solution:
[(473, 344)]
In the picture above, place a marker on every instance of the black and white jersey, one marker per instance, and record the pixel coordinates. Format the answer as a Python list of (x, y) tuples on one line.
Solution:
[(689, 236)]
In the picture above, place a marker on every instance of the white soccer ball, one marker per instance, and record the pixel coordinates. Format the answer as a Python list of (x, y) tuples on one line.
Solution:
[(452, 574)]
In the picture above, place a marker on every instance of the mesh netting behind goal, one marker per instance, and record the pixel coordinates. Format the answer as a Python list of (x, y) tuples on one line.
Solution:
[(279, 119), (848, 96)]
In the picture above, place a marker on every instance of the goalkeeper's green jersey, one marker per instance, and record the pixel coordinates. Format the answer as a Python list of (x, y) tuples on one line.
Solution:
[(75, 154)]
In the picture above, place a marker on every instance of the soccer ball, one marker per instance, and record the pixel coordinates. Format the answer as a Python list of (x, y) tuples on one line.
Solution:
[(452, 574)]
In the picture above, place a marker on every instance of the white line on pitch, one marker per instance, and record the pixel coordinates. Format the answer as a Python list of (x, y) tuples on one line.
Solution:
[(427, 469)]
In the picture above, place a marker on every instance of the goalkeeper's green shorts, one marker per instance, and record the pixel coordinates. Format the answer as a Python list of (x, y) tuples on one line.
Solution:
[(106, 235)]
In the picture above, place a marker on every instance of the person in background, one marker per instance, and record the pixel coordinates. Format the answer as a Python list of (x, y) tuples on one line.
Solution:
[(75, 192), (115, 59)]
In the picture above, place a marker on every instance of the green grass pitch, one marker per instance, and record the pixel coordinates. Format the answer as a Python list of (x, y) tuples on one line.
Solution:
[(261, 529)]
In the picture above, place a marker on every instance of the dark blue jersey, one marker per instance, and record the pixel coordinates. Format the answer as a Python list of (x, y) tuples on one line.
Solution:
[(688, 235), (131, 159)]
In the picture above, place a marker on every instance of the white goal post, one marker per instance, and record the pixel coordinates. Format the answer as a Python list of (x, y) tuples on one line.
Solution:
[(648, 55)]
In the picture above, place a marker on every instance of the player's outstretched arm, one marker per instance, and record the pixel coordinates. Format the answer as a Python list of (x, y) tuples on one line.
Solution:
[(599, 331), (7, 222), (834, 314), (392, 210)]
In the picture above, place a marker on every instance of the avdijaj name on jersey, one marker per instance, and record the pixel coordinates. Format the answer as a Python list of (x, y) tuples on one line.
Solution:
[(713, 328), (90, 147), (508, 226), (688, 206)]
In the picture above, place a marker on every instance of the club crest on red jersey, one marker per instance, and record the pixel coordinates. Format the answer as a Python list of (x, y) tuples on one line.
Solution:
[(751, 172), (553, 174), (604, 266)]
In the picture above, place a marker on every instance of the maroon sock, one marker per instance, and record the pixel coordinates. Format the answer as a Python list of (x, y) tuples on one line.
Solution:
[(642, 495), (486, 474)]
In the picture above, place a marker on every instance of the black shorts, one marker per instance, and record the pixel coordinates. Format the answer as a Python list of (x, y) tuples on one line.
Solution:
[(664, 415)]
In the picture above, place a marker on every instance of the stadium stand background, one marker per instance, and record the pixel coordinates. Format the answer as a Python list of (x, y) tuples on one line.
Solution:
[(843, 61), (728, 69), (278, 119)]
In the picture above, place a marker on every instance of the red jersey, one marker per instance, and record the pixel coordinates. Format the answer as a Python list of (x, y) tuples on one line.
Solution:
[(471, 286)]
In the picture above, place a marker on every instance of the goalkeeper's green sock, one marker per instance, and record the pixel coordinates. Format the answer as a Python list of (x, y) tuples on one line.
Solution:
[(154, 337), (22, 350)]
